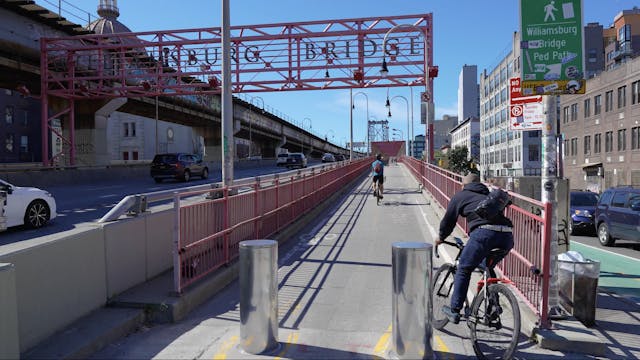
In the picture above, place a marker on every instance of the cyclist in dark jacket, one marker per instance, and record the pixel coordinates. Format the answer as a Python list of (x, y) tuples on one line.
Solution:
[(484, 235)]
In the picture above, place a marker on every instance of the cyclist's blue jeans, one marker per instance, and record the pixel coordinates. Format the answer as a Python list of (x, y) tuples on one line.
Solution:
[(480, 244)]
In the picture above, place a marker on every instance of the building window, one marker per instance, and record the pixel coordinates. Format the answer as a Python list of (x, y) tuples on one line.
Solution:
[(534, 154), (565, 115), (574, 112), (135, 155), (608, 141), (587, 145), (574, 146), (8, 114), (24, 144), (635, 92), (608, 101), (622, 139), (622, 97), (129, 129), (597, 104), (8, 143), (566, 147), (635, 138), (597, 143), (587, 107), (125, 155)]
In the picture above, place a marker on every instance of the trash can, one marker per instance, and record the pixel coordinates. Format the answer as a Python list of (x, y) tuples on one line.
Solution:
[(578, 286)]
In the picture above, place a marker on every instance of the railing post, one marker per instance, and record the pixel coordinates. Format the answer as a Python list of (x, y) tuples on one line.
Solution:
[(177, 280), (412, 305), (258, 295), (225, 220), (256, 204)]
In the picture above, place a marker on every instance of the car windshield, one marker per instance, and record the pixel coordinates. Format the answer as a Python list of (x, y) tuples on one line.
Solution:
[(584, 199), (283, 155), (167, 158)]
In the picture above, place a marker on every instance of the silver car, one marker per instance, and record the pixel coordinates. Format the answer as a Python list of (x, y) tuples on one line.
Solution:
[(27, 206)]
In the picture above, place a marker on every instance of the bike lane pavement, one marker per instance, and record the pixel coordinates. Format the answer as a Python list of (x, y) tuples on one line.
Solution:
[(335, 290)]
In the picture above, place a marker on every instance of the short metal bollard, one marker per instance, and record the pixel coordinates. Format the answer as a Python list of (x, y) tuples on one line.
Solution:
[(412, 302), (258, 296)]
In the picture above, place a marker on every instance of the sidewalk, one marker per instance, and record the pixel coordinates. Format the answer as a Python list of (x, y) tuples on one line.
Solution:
[(334, 297)]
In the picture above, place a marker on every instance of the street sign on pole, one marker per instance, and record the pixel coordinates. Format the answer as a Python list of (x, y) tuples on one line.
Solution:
[(525, 112), (551, 43)]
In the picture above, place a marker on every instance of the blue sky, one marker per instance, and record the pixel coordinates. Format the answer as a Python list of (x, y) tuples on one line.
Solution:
[(473, 32)]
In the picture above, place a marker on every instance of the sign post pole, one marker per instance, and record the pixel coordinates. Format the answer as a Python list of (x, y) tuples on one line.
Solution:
[(552, 64)]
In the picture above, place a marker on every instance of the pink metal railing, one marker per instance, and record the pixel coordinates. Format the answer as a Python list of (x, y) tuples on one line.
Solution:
[(532, 234), (210, 229)]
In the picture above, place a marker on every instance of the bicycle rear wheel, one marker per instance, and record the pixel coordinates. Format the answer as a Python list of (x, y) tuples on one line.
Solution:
[(442, 289), (495, 323)]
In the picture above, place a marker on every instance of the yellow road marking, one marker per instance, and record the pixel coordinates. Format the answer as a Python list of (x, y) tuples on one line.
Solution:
[(440, 345), (382, 342), (226, 346), (292, 339)]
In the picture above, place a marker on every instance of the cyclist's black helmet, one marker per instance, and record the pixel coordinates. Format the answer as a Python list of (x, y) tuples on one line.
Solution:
[(379, 157)]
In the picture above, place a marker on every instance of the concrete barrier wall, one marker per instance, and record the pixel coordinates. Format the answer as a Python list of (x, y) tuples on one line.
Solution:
[(57, 282), (9, 340), (61, 280)]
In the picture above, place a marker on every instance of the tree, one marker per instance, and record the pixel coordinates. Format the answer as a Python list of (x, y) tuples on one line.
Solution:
[(458, 160)]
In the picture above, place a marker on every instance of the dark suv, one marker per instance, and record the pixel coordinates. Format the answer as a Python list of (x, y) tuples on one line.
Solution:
[(178, 166), (582, 207), (618, 215)]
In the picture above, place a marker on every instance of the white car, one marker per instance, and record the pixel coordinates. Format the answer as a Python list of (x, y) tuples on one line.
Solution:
[(27, 206)]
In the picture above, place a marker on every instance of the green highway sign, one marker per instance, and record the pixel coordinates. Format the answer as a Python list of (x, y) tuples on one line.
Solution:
[(552, 58)]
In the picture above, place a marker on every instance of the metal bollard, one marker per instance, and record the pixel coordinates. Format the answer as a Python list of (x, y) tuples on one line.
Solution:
[(412, 303), (258, 295)]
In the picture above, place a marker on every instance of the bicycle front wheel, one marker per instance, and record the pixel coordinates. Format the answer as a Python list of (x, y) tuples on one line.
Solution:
[(495, 323), (442, 289)]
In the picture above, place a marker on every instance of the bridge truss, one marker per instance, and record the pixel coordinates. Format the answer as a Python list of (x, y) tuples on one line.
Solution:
[(313, 55)]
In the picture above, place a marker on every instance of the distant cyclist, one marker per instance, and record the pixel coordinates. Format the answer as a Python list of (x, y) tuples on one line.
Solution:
[(377, 171)]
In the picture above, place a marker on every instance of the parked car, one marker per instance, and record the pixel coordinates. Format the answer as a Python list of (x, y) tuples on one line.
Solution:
[(618, 215), (178, 166), (296, 160), (582, 208), (340, 157), (281, 160), (27, 206), (328, 157)]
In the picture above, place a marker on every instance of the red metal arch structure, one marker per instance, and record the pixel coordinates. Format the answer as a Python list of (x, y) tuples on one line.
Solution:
[(314, 55)]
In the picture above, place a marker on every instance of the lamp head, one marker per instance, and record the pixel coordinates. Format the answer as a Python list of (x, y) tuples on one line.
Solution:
[(384, 70), (389, 114)]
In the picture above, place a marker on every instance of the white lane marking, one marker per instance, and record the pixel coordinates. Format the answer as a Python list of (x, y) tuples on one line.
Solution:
[(607, 251)]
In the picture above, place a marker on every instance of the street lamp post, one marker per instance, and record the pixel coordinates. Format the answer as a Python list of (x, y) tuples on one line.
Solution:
[(227, 100), (408, 118), (367, 122), (401, 133), (327, 134), (384, 71)]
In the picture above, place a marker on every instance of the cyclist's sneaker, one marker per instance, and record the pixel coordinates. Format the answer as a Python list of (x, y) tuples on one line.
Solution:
[(453, 316), (381, 197), (375, 193)]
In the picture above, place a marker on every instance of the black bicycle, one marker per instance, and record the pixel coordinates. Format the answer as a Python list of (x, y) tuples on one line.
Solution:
[(493, 316)]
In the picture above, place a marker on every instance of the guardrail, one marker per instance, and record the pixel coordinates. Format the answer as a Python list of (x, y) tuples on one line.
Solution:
[(209, 230), (132, 205), (527, 265)]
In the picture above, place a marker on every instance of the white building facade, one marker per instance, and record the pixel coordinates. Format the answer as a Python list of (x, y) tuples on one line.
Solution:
[(468, 93), (504, 152)]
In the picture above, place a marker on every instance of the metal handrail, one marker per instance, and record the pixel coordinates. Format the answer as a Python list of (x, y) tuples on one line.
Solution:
[(133, 205)]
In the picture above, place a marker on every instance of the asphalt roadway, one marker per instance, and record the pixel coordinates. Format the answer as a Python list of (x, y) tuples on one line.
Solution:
[(335, 292)]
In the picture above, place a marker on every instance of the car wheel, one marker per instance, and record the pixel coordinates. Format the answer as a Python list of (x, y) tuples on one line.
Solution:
[(157, 180), (205, 173), (604, 237), (186, 176), (37, 214)]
